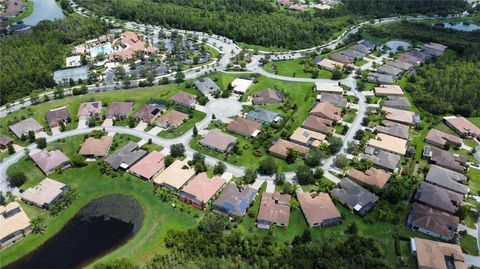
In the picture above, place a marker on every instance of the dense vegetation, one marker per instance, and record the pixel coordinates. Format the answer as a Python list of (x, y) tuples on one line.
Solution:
[(27, 61)]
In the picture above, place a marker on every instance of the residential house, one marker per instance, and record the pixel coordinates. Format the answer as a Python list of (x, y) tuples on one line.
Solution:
[(149, 166), (96, 147), (354, 196), (172, 119), (442, 139), (297, 8), (368, 44), (361, 48), (234, 201), (393, 129), (328, 88), (281, 148), (318, 124), (48, 161), (241, 85), (382, 159), (57, 116), (125, 156), (22, 128), (119, 110), (354, 54), (339, 57), (330, 65), (399, 64), (274, 210), (334, 99), (45, 194), (437, 255), (4, 142), (447, 179), (434, 49), (390, 70), (445, 159), (327, 111), (388, 90), (14, 222), (264, 116), (200, 190), (307, 137), (432, 222), (410, 59), (438, 198), (244, 127), (219, 141), (463, 127), (401, 116), (375, 77), (372, 177), (267, 96), (318, 209), (206, 86), (149, 112), (89, 109), (389, 143), (398, 102), (184, 99), (175, 175)]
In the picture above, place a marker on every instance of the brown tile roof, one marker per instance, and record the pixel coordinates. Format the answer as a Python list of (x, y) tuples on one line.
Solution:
[(327, 110), (96, 147), (267, 96), (274, 208), (55, 116), (463, 126), (280, 148), (399, 115), (47, 161), (90, 108), (4, 141), (434, 255), (318, 124), (148, 112), (172, 119), (184, 98), (202, 188), (449, 160), (244, 126), (317, 208), (119, 109), (434, 220), (23, 127), (385, 90), (149, 166), (218, 140), (439, 138), (438, 197), (373, 176)]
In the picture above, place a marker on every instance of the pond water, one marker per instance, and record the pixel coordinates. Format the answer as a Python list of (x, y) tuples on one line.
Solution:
[(44, 10), (460, 26), (98, 228)]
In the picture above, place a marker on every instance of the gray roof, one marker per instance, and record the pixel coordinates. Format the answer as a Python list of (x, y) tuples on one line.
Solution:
[(352, 195), (438, 197), (334, 99), (381, 158), (367, 43), (24, 126), (447, 159), (55, 116), (361, 48), (234, 201), (393, 129), (127, 155), (263, 115), (400, 102), (4, 140), (389, 70), (446, 178), (400, 64), (381, 78), (354, 54), (206, 85)]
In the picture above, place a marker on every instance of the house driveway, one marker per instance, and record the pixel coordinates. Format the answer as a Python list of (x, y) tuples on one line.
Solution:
[(155, 130), (141, 126), (55, 130), (107, 122), (82, 123)]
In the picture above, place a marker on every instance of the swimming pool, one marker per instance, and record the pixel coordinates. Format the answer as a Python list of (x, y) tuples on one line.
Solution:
[(100, 50)]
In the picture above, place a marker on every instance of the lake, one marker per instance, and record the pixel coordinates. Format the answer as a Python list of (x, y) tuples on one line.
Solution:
[(44, 10), (100, 227), (459, 26)]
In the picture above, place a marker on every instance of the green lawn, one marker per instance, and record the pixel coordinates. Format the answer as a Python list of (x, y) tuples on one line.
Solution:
[(469, 245), (259, 47), (444, 128), (350, 115), (474, 179), (33, 174), (470, 143), (293, 68), (475, 120), (184, 127), (360, 62), (470, 220)]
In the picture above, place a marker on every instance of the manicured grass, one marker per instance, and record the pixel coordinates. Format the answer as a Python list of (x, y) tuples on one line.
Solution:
[(474, 180), (341, 129), (69, 146), (360, 62), (469, 245), (475, 120), (184, 127), (470, 143), (120, 140), (152, 147), (293, 68), (350, 115), (32, 172), (259, 47), (444, 128), (470, 220)]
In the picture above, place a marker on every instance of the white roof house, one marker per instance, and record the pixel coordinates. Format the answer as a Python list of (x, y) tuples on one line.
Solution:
[(73, 61), (241, 85), (45, 193)]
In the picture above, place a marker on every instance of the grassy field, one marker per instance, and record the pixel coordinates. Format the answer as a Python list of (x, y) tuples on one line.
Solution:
[(469, 245), (350, 115), (474, 180), (293, 68)]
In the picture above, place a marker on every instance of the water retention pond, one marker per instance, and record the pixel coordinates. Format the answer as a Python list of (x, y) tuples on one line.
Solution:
[(98, 228)]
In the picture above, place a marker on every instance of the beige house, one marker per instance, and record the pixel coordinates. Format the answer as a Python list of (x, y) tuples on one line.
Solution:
[(45, 194), (175, 176), (389, 143), (14, 224), (330, 65), (307, 137)]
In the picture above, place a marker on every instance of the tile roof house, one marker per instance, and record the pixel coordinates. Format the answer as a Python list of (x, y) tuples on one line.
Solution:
[(274, 210), (149, 166), (389, 143), (56, 116), (14, 222), (361, 48), (328, 87), (441, 139), (390, 70), (400, 116), (354, 196), (434, 49), (206, 85), (90, 108), (172, 119), (433, 222), (119, 110), (368, 44), (388, 90), (184, 99), (175, 175), (354, 54), (281, 147), (200, 190), (398, 102), (399, 64), (382, 159), (445, 159), (234, 201), (318, 124), (245, 127), (334, 99), (437, 255), (327, 111), (462, 126), (264, 116), (148, 112), (48, 161), (4, 142), (447, 179), (266, 97), (307, 138), (96, 148), (318, 209), (375, 77), (393, 129), (219, 141), (339, 57), (438, 198), (21, 129), (126, 156), (45, 194), (241, 85), (330, 65), (373, 177)]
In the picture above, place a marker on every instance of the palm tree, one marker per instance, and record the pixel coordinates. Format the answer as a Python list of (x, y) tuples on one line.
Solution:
[(38, 225)]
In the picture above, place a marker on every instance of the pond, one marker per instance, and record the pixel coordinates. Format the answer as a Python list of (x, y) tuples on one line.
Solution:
[(98, 228), (44, 10), (466, 27)]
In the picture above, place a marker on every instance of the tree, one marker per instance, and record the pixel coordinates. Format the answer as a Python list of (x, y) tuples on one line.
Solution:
[(195, 131), (38, 225), (318, 173), (363, 165), (289, 188), (58, 93), (341, 161), (353, 147), (179, 77), (177, 150), (291, 156), (219, 168), (335, 144), (267, 166), (337, 74), (41, 142), (78, 160), (11, 149), (352, 229), (34, 98), (198, 157), (315, 157), (304, 175), (31, 136), (279, 178), (249, 176)]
